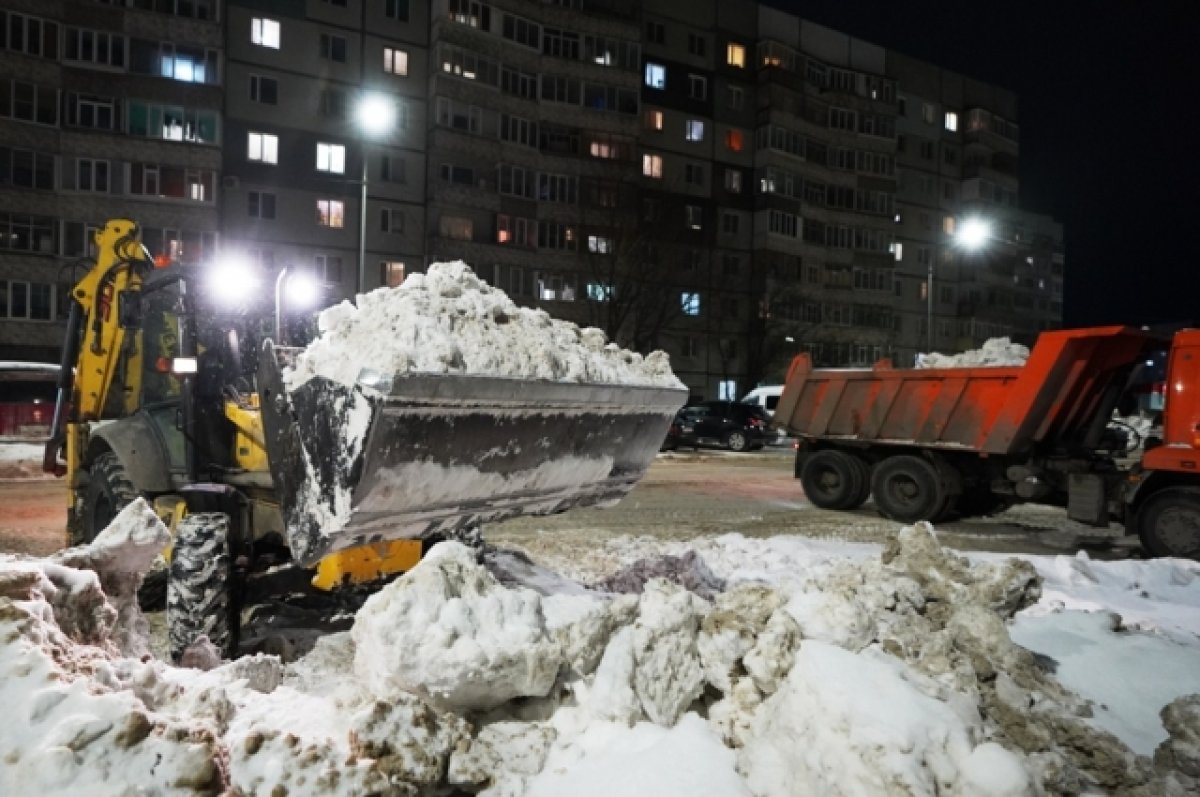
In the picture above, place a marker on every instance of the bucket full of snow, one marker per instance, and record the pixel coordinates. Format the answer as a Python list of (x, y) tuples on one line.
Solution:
[(430, 453)]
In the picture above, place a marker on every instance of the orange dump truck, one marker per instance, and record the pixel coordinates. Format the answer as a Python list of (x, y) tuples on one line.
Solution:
[(929, 444)]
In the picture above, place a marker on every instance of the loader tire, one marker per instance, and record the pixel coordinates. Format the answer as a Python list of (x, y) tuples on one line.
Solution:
[(1169, 523), (200, 595), (109, 490), (831, 479), (908, 489)]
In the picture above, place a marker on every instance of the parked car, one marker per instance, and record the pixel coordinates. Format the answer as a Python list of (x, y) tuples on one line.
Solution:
[(724, 424), (680, 431), (27, 393)]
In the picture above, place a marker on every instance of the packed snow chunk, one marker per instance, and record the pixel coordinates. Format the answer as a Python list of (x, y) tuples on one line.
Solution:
[(501, 750), (73, 726), (121, 555), (994, 352), (1181, 751), (448, 632), (407, 740), (605, 759), (450, 321), (656, 660), (856, 724)]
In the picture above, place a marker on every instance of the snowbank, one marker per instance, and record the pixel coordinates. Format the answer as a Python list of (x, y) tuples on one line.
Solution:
[(450, 321), (994, 352), (886, 672)]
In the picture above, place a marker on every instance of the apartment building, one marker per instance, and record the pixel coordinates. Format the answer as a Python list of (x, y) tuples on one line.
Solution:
[(958, 157), (103, 106), (719, 179)]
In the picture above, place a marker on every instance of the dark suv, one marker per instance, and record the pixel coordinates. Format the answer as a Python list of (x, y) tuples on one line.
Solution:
[(728, 424)]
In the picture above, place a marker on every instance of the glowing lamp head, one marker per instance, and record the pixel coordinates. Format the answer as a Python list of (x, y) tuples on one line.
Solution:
[(973, 233), (302, 291), (375, 114)]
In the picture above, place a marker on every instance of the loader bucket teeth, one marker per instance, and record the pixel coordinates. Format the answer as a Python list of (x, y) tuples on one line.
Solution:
[(428, 453)]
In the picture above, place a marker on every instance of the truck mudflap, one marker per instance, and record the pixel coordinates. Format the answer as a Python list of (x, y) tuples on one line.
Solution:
[(411, 456)]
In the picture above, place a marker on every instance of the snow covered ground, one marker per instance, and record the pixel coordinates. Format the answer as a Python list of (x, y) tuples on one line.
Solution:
[(787, 667), (21, 460)]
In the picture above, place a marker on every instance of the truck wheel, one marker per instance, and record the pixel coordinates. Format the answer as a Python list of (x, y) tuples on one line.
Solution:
[(109, 490), (736, 441), (1169, 523), (831, 479), (908, 489), (200, 599), (864, 481)]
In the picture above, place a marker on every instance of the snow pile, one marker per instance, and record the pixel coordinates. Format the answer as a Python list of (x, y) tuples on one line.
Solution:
[(448, 321), (994, 352), (891, 673)]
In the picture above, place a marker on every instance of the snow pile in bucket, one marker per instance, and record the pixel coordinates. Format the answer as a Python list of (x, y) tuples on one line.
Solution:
[(995, 352), (448, 321), (890, 674)]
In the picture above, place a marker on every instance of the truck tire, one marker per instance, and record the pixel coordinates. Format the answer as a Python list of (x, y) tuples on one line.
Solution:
[(908, 489), (864, 481), (833, 480), (109, 490), (1169, 523), (200, 599)]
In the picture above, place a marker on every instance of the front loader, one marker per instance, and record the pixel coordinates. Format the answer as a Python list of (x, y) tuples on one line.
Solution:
[(168, 396)]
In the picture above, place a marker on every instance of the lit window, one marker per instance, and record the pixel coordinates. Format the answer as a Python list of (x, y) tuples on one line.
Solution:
[(391, 273), (263, 147), (599, 292), (652, 166), (897, 249), (600, 245), (948, 225), (654, 120), (694, 131), (734, 140), (656, 76), (264, 32), (694, 217), (689, 303), (330, 213), (951, 120), (735, 54), (395, 62), (331, 158)]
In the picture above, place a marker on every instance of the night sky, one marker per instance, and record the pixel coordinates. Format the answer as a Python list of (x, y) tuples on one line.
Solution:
[(1105, 92)]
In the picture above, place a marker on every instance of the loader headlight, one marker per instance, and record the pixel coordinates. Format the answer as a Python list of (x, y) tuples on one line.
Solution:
[(232, 279), (302, 290), (183, 365)]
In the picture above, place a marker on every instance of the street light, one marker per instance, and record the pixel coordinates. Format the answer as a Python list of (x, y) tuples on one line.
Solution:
[(971, 236), (375, 115)]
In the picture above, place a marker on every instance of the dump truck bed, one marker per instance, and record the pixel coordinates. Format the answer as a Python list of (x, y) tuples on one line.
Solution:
[(422, 454), (1061, 397)]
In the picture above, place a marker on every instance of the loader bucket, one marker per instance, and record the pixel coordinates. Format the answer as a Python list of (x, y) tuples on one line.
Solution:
[(412, 456)]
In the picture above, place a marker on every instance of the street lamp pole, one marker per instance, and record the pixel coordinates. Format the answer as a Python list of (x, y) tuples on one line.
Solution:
[(362, 225), (929, 307), (376, 117)]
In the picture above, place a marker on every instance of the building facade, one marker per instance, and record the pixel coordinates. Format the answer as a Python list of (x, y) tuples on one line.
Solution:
[(718, 179)]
